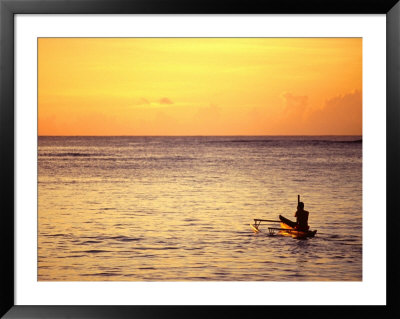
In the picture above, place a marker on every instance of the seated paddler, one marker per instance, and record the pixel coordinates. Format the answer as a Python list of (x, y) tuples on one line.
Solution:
[(301, 217)]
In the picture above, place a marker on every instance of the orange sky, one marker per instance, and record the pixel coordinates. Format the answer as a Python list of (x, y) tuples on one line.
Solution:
[(200, 86)]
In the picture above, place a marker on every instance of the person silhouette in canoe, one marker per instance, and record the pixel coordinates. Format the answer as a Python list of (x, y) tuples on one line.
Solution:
[(301, 218)]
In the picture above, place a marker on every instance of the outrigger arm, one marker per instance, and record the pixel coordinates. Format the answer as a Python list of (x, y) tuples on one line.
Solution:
[(257, 222)]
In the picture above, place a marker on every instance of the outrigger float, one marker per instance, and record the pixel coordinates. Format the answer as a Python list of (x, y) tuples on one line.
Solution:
[(287, 227)]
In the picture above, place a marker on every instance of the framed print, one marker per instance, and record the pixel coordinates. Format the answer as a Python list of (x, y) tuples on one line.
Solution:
[(167, 159)]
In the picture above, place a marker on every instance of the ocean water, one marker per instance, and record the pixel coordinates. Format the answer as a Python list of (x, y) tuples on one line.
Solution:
[(179, 208)]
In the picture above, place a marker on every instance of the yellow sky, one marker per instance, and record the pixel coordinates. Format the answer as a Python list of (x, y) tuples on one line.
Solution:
[(200, 86)]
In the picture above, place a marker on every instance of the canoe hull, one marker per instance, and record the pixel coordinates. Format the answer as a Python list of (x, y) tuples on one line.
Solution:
[(287, 229), (291, 231)]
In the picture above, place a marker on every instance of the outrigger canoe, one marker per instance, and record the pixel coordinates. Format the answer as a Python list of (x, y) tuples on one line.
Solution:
[(287, 228)]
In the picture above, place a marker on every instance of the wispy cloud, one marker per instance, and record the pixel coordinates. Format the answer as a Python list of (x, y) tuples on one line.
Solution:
[(165, 100), (341, 114), (145, 102), (140, 101)]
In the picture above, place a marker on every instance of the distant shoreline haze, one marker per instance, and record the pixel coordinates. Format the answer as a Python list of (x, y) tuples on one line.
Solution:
[(338, 135)]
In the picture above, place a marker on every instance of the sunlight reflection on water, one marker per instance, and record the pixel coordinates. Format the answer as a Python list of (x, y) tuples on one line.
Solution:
[(179, 208)]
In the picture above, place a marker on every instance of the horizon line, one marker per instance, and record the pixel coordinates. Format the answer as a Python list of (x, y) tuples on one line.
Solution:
[(270, 135)]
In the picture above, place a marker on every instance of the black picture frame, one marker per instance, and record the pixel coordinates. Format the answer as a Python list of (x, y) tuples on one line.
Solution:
[(8, 8)]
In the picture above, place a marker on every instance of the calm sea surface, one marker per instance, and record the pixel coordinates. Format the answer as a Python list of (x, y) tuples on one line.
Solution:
[(179, 208)]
